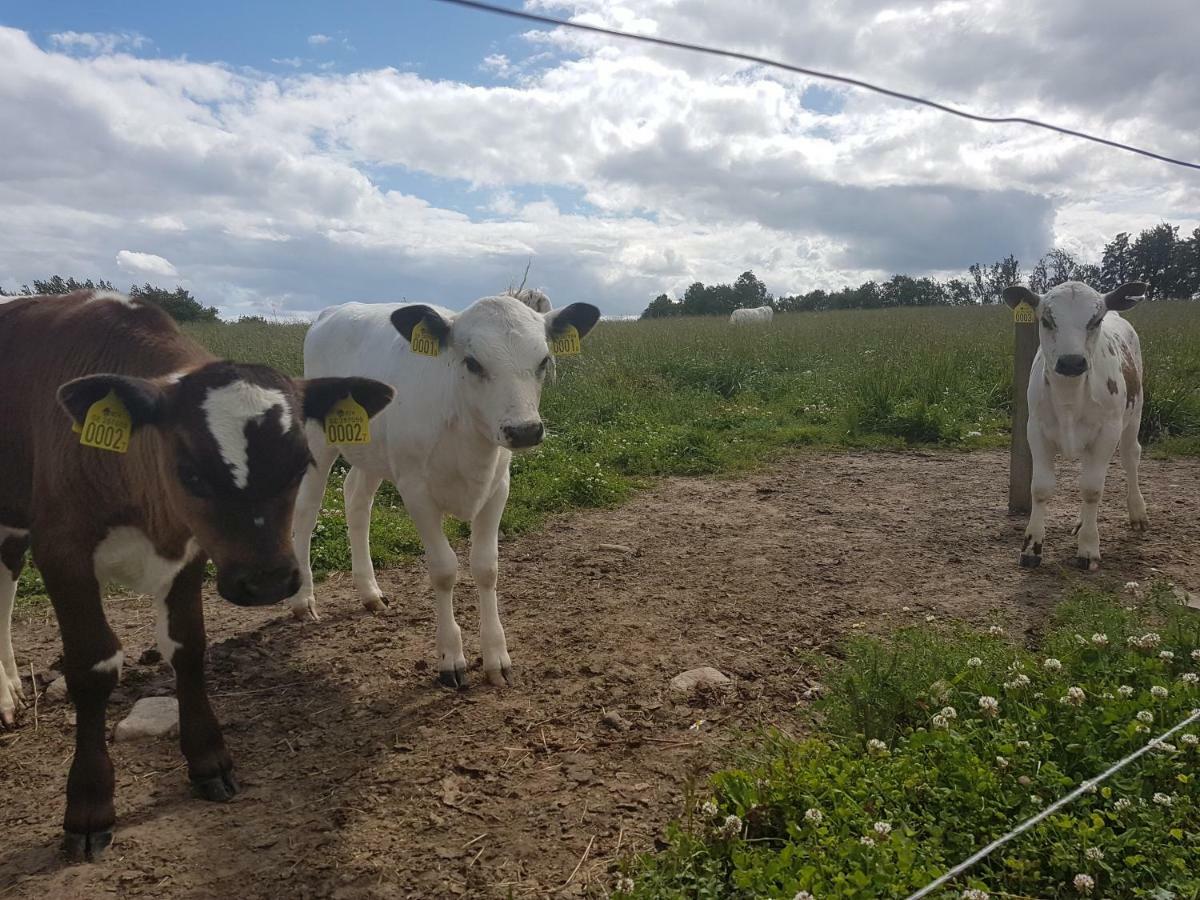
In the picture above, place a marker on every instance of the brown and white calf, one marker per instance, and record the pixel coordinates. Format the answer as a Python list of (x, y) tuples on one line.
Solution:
[(1085, 398), (215, 454)]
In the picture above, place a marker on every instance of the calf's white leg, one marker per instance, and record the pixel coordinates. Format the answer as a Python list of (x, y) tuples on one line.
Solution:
[(360, 497), (1093, 467), (1041, 491), (1131, 457), (442, 564), (485, 565), (308, 508), (12, 696)]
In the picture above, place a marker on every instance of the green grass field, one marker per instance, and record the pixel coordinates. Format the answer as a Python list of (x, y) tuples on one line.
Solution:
[(696, 397)]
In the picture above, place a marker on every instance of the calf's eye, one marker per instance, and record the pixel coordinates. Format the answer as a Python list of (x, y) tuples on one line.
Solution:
[(543, 365), (193, 483), (1046, 323), (473, 366)]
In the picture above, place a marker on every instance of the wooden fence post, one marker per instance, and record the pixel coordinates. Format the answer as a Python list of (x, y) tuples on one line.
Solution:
[(1020, 462)]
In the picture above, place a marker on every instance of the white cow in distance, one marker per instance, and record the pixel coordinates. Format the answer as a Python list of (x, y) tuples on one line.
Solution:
[(446, 443), (751, 316), (1085, 397)]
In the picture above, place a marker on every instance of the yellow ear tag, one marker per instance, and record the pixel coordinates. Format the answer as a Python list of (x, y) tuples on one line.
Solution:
[(1023, 314), (347, 423), (567, 343), (107, 425), (422, 341)]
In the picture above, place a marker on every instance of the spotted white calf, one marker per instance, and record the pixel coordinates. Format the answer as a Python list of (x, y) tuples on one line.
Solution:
[(446, 443), (759, 314), (1085, 399), (205, 464)]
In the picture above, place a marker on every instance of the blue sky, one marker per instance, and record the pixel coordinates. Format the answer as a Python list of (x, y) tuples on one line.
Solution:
[(282, 157)]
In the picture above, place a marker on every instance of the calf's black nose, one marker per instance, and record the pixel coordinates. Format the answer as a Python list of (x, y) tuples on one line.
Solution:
[(1071, 364), (529, 434), (262, 587)]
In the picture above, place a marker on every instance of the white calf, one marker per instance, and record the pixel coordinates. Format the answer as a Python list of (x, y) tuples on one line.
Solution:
[(750, 316), (1085, 397), (446, 443)]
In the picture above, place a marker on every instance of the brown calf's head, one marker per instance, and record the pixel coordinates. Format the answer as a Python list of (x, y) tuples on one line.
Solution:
[(232, 455)]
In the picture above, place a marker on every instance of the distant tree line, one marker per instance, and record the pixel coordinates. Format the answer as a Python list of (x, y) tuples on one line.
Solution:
[(179, 303), (1158, 256)]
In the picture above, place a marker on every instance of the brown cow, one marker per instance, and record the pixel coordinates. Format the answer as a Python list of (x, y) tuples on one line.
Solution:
[(214, 455)]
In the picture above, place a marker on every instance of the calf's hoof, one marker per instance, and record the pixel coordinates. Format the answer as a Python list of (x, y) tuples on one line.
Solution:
[(375, 604), (501, 677), (1141, 524), (1030, 560), (1087, 563), (87, 846), (220, 788), (453, 678)]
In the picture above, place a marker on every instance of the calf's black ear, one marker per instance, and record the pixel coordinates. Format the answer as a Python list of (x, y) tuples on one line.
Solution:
[(1014, 294), (582, 315), (406, 318), (1126, 296), (321, 394), (143, 400)]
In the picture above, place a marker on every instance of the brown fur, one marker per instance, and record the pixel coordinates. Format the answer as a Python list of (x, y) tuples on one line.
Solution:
[(1133, 378), (1112, 386)]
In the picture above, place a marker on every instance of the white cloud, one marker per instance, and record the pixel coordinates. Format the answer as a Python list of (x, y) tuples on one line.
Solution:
[(317, 40), (136, 263), (98, 42), (623, 171)]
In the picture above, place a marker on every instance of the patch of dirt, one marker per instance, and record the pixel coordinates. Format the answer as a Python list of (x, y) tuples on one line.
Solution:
[(363, 779)]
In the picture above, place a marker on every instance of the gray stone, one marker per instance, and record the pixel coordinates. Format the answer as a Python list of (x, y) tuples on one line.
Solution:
[(151, 717), (56, 691), (703, 677)]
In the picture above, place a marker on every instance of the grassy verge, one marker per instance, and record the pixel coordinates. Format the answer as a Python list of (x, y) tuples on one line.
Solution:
[(696, 397), (935, 742)]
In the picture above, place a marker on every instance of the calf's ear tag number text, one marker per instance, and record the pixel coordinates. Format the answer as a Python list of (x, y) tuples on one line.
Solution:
[(347, 423), (107, 425), (1023, 314), (567, 343), (422, 341)]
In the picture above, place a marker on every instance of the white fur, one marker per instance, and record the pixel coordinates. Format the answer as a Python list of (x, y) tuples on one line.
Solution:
[(441, 443), (162, 629), (12, 695), (534, 299), (1082, 417), (113, 664), (127, 557), (750, 316), (112, 295), (229, 408)]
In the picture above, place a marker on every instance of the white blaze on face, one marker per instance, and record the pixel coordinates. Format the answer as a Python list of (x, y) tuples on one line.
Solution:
[(229, 409)]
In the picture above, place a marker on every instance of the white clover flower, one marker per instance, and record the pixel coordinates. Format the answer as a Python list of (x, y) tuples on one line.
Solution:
[(625, 884), (1189, 678), (975, 894), (949, 712), (1075, 696), (995, 630), (709, 808), (931, 618), (1166, 656), (1038, 695), (1080, 640), (1147, 641), (939, 691), (1142, 729), (883, 829), (804, 895), (1196, 655), (1035, 799), (1001, 762), (814, 816), (1052, 665), (1189, 740), (1100, 640), (1095, 854), (1107, 696), (940, 721), (1163, 799), (989, 706), (1092, 789), (1020, 681), (1145, 716), (1131, 586), (1023, 745), (731, 827), (1123, 804), (1158, 691), (876, 747), (1085, 884), (1125, 690), (974, 662), (867, 840), (1165, 747)]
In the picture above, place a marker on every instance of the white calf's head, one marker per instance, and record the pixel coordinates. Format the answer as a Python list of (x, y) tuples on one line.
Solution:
[(498, 351), (1070, 316)]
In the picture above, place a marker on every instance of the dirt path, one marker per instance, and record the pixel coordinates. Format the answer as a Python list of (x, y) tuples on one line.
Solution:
[(363, 779)]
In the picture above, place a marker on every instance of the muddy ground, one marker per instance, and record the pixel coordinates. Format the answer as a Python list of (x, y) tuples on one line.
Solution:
[(362, 778)]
